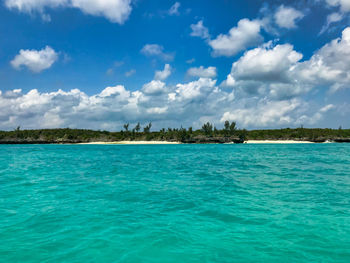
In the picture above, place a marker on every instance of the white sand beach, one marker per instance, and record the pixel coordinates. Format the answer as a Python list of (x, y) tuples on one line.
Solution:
[(275, 141), (133, 142)]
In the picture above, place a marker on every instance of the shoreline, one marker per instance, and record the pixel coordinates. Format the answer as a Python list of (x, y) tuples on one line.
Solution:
[(175, 143), (131, 143), (278, 142)]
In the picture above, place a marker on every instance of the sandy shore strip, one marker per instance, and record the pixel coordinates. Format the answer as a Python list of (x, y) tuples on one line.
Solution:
[(166, 142), (275, 141), (132, 142)]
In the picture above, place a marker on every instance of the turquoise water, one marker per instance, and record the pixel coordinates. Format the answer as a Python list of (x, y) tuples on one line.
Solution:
[(175, 203)]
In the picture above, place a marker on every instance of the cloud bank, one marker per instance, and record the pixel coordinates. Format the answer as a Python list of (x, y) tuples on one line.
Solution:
[(268, 86)]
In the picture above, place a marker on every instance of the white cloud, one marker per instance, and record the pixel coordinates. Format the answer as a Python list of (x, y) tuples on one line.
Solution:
[(157, 110), (265, 63), (343, 4), (112, 107), (30, 6), (174, 9), (327, 108), (163, 74), (202, 72), (35, 60), (330, 65), (332, 18), (194, 89), (286, 17), (73, 108), (246, 34), (119, 90), (264, 113), (268, 71), (157, 51), (228, 82), (116, 11), (268, 83), (278, 73), (154, 87), (187, 104), (199, 30)]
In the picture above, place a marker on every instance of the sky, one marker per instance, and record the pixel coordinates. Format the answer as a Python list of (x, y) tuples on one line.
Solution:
[(98, 64)]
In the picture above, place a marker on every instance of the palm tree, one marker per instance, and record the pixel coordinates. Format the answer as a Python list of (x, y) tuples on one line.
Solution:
[(147, 128), (227, 125), (232, 127), (126, 127), (138, 127), (207, 128)]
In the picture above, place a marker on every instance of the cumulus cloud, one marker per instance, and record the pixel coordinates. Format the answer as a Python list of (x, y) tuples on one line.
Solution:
[(279, 73), (54, 109), (245, 35), (116, 11), (156, 50), (330, 65), (163, 74), (154, 87), (35, 60), (174, 9), (189, 104), (286, 17), (268, 84), (271, 114), (264, 113), (112, 107), (267, 70), (194, 89), (266, 63), (199, 30), (202, 72)]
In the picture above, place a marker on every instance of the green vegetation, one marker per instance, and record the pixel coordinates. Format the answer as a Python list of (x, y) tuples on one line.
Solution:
[(207, 134), (316, 135)]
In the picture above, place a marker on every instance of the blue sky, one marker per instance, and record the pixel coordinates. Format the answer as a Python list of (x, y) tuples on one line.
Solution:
[(100, 63)]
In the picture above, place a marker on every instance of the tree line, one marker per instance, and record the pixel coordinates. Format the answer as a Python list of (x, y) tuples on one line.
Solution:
[(208, 133)]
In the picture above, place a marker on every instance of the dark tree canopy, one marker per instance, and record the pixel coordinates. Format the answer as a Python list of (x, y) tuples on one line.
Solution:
[(208, 133)]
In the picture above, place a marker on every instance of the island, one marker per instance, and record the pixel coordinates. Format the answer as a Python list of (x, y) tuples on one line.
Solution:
[(229, 133)]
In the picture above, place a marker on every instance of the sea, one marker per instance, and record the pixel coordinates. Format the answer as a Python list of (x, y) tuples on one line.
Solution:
[(175, 203)]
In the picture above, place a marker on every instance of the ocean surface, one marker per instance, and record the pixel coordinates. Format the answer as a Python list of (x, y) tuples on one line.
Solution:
[(175, 203)]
